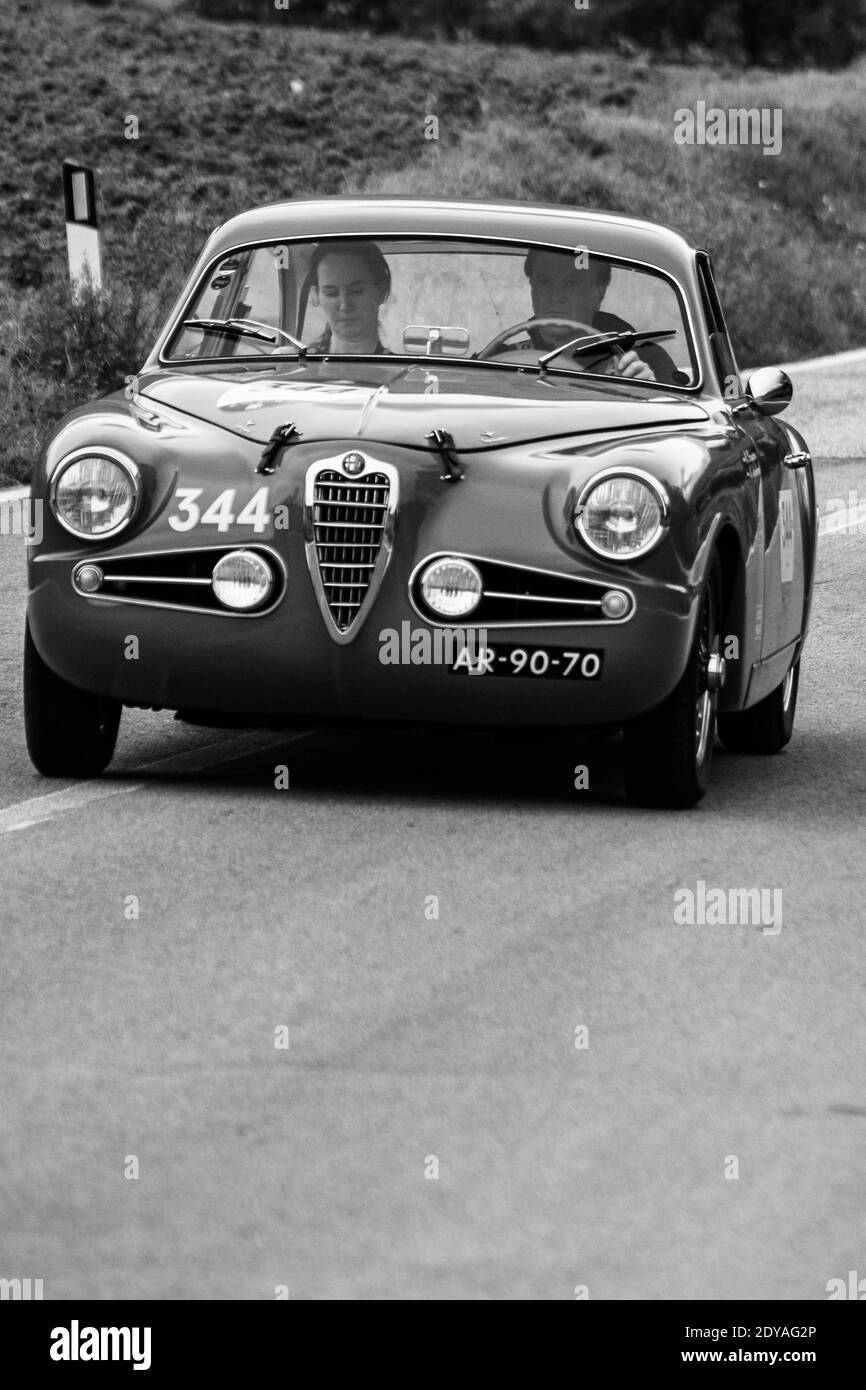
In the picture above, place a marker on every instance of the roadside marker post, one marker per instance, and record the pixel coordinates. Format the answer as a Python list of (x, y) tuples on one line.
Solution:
[(82, 226)]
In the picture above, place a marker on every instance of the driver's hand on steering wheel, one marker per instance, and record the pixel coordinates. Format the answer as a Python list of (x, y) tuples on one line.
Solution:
[(632, 366)]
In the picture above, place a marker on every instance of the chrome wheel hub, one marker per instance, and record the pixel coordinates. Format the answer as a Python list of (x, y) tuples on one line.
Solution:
[(715, 672)]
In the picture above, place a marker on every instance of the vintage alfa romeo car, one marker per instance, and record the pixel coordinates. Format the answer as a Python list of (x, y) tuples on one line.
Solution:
[(372, 423)]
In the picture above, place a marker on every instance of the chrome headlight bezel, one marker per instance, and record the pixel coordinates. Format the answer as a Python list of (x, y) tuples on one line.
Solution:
[(266, 573), (114, 456), (470, 569), (639, 475)]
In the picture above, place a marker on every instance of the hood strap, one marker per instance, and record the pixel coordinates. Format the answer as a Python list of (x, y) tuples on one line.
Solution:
[(443, 444), (282, 435)]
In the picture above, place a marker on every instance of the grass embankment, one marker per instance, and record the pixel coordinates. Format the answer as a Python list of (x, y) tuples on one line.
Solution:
[(234, 115)]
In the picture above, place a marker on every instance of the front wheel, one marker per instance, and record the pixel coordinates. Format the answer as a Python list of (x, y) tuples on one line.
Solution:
[(668, 753), (69, 733), (768, 725)]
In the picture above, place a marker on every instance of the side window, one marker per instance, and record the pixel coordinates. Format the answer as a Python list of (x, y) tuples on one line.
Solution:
[(245, 284), (723, 354), (649, 301), (214, 300), (260, 292)]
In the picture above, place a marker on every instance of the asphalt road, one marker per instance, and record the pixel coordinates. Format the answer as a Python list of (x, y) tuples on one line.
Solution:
[(412, 1037)]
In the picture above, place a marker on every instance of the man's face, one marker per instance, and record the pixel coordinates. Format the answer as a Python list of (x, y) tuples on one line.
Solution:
[(558, 290)]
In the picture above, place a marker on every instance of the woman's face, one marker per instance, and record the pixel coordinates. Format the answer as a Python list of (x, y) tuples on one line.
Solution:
[(349, 299)]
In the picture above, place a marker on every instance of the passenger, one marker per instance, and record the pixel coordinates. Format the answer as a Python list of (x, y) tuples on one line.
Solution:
[(349, 281)]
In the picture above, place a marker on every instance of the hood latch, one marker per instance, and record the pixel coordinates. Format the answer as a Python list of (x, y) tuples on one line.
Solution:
[(443, 444)]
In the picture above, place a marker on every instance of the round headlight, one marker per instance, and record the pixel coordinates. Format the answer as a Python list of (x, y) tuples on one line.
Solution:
[(242, 580), (94, 494), (621, 516), (452, 588)]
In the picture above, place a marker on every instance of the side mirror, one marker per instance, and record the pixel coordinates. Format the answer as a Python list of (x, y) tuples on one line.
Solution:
[(770, 390)]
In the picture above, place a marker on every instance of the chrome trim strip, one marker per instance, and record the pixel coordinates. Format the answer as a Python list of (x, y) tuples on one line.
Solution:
[(693, 388), (123, 461), (281, 591), (542, 598), (658, 489), (149, 579), (386, 544), (531, 569)]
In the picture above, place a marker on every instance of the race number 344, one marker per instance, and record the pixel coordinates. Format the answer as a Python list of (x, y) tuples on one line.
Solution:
[(220, 512)]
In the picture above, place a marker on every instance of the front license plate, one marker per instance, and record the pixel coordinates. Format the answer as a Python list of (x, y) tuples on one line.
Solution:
[(539, 663)]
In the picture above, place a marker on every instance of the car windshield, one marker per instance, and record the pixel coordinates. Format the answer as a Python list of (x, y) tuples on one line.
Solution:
[(503, 302)]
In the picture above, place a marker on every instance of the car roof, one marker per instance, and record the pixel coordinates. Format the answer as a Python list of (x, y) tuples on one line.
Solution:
[(610, 233)]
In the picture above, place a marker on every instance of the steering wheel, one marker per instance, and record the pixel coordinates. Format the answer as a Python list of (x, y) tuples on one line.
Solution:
[(586, 329)]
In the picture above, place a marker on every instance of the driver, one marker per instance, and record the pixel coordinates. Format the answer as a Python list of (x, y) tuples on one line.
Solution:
[(559, 290)]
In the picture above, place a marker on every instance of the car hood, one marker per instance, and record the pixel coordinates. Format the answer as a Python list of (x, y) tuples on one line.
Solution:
[(482, 408)]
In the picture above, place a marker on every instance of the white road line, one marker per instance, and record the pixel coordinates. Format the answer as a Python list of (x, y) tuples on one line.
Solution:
[(44, 808), (836, 359)]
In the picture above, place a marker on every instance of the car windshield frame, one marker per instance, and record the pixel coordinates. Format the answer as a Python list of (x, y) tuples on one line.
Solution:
[(263, 361)]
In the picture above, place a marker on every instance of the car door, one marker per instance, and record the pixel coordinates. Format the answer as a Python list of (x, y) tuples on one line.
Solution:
[(765, 447)]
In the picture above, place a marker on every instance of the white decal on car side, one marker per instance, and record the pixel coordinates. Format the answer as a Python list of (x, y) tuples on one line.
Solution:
[(257, 395), (786, 535)]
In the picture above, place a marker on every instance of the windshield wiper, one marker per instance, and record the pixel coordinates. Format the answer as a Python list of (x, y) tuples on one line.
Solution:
[(626, 337), (246, 328)]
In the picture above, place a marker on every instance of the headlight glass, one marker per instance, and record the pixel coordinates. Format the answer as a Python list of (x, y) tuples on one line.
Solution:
[(621, 516), (242, 580), (94, 495), (451, 587)]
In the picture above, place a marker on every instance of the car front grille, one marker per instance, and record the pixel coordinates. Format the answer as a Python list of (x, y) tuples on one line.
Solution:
[(348, 519)]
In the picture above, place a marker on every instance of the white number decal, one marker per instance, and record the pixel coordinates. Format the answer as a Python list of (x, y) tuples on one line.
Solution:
[(534, 666), (186, 504), (518, 658), (220, 513), (786, 535), (255, 513)]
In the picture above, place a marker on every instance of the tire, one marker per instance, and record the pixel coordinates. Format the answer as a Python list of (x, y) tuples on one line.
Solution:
[(668, 754), (766, 727), (69, 733)]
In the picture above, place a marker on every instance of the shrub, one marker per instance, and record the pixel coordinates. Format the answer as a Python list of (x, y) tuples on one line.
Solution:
[(65, 348)]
